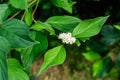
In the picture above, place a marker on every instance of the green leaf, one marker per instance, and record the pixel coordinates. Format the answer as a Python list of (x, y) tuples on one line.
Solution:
[(19, 4), (17, 33), (64, 23), (4, 48), (3, 67), (40, 26), (91, 56), (97, 67), (15, 71), (65, 4), (53, 57), (90, 27), (3, 12), (117, 27), (110, 35), (28, 18), (30, 54)]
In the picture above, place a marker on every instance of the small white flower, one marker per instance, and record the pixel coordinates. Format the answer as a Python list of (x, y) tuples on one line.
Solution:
[(67, 38)]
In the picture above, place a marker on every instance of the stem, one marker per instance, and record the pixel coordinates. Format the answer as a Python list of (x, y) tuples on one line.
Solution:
[(14, 15), (35, 11), (23, 15)]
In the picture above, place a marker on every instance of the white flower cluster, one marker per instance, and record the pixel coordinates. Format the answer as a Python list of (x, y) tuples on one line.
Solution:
[(67, 38)]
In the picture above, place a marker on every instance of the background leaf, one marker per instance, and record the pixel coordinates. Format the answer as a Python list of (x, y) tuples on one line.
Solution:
[(19, 4), (15, 71), (4, 48), (101, 68), (90, 27), (65, 4), (91, 56), (97, 67), (53, 57), (17, 33), (30, 54), (110, 35), (63, 23)]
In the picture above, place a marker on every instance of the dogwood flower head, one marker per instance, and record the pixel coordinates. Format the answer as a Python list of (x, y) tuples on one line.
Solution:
[(67, 38)]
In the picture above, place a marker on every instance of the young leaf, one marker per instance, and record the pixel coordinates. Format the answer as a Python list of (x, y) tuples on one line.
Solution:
[(53, 57), (4, 48), (19, 4), (28, 18), (64, 23), (40, 26), (17, 33), (91, 56), (65, 4), (30, 54), (90, 27), (15, 71)]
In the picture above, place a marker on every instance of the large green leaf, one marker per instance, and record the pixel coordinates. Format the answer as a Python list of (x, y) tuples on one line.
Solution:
[(65, 4), (4, 45), (4, 48), (30, 54), (15, 71), (19, 4), (91, 56), (64, 23), (17, 33), (90, 27), (3, 12), (53, 57)]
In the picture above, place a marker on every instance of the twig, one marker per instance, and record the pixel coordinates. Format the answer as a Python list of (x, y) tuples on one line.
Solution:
[(35, 11), (14, 15), (32, 3), (23, 15)]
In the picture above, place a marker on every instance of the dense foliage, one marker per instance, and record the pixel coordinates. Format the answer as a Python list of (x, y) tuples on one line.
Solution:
[(31, 28)]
